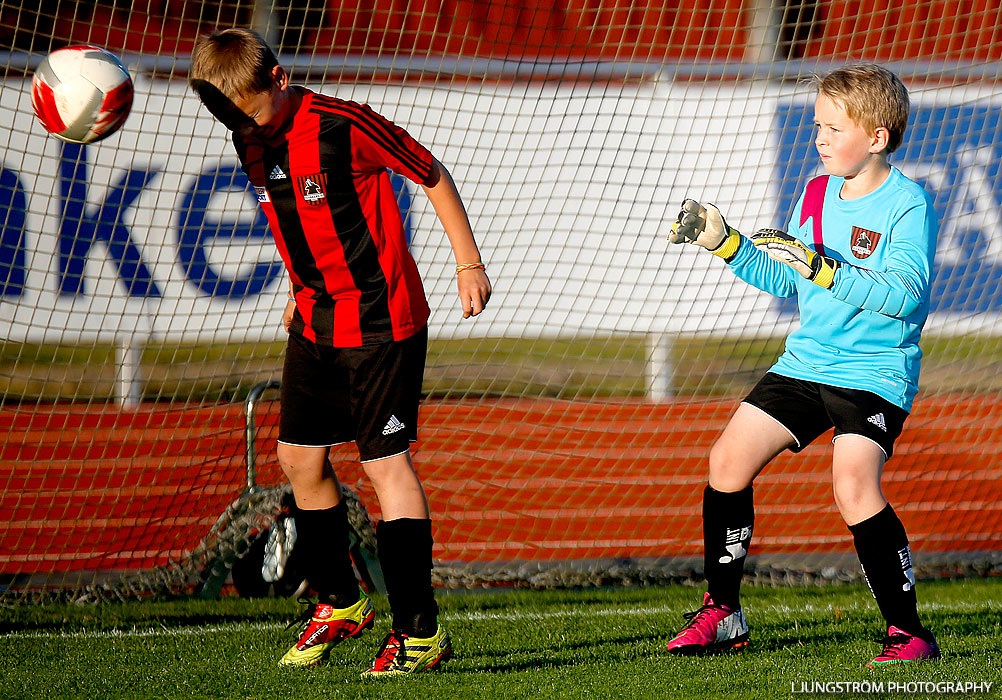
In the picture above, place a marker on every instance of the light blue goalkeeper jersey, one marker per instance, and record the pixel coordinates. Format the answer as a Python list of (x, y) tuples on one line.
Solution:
[(864, 332)]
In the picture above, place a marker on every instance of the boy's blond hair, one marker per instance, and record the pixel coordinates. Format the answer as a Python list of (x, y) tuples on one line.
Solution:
[(238, 62), (871, 96)]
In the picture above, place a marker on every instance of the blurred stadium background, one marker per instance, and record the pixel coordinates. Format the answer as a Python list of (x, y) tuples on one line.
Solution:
[(565, 430)]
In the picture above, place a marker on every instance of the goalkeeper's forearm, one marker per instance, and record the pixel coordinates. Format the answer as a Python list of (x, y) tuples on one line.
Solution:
[(868, 290), (787, 249)]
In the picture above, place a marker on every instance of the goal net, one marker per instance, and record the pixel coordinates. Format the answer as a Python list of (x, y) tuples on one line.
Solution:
[(564, 432)]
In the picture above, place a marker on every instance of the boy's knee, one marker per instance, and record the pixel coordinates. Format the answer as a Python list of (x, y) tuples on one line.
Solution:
[(298, 462), (857, 495), (728, 471), (849, 488)]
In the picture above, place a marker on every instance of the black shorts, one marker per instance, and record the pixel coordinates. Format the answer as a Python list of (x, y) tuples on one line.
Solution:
[(368, 394), (808, 409)]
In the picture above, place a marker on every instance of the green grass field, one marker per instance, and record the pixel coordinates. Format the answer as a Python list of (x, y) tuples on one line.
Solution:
[(568, 368), (517, 644)]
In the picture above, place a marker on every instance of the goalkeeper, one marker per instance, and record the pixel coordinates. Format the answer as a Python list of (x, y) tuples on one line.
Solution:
[(858, 254)]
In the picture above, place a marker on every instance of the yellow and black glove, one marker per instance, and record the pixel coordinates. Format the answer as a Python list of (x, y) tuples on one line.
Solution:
[(783, 247), (704, 225)]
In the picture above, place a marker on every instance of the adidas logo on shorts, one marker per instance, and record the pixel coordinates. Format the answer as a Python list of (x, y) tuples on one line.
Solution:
[(392, 426), (878, 420), (277, 174)]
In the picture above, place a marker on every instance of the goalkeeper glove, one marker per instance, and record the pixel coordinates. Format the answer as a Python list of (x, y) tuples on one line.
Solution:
[(783, 247), (705, 227)]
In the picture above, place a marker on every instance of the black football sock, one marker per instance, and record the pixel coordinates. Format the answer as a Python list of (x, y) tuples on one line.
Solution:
[(882, 546), (727, 529), (322, 544), (404, 548)]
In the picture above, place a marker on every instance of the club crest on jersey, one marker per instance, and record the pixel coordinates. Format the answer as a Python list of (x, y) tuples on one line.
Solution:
[(312, 188), (864, 242)]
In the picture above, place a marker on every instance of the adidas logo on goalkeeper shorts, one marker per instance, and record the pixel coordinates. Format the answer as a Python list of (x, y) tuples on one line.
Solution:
[(878, 420)]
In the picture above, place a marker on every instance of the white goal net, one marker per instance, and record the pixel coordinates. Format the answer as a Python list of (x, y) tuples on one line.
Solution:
[(565, 430)]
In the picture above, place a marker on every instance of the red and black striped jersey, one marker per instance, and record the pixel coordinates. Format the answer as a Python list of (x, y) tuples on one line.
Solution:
[(325, 189)]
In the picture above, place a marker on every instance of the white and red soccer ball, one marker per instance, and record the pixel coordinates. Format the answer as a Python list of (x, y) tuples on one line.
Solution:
[(81, 93)]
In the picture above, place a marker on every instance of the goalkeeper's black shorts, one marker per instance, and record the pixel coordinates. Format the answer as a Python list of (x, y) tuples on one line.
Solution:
[(808, 409)]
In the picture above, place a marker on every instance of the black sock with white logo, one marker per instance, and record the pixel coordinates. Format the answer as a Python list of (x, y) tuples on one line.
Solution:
[(727, 529), (404, 549), (322, 544), (882, 546)]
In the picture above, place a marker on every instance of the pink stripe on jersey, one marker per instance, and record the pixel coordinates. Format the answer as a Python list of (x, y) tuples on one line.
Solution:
[(814, 203)]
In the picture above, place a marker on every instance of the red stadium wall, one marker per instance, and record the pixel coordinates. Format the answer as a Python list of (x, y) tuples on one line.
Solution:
[(511, 480), (963, 30), (609, 29), (613, 29), (622, 30)]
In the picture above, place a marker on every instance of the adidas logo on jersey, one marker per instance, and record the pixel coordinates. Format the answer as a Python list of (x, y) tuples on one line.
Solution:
[(392, 426), (878, 420), (277, 174)]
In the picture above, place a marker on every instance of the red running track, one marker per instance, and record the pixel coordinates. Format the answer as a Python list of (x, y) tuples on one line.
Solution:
[(97, 488)]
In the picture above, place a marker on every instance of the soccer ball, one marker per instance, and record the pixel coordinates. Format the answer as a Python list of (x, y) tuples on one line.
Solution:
[(81, 94)]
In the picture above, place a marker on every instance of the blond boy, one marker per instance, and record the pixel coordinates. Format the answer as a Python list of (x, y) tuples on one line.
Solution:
[(357, 323), (858, 253)]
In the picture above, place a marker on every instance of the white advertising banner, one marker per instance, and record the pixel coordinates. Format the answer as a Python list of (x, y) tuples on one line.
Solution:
[(155, 233)]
